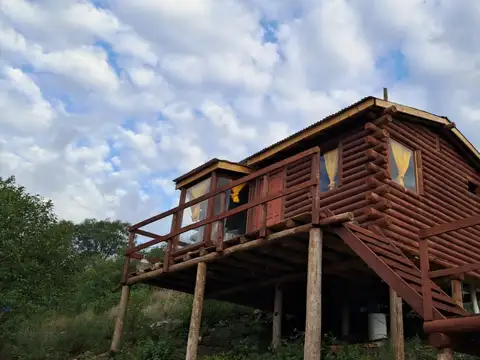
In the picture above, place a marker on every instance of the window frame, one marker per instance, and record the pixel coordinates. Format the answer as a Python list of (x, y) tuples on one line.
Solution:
[(417, 164)]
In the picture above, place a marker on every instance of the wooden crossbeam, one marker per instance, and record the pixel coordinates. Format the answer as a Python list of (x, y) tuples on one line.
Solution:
[(452, 226), (454, 270)]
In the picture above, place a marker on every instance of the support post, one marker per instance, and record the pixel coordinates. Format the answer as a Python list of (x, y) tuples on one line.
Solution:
[(457, 295), (313, 326), (473, 294), (445, 354), (345, 320), (122, 311), (197, 307), (277, 317), (396, 325), (457, 292)]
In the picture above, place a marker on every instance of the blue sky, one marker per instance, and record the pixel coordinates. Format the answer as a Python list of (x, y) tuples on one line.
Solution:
[(104, 103)]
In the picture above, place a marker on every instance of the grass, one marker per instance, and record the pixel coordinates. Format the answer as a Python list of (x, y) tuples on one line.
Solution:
[(157, 328)]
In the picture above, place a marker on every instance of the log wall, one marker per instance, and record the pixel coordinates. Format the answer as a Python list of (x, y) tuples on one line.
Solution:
[(442, 196), (361, 158)]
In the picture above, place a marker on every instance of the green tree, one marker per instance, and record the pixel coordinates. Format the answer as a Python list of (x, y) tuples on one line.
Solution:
[(36, 254), (105, 238)]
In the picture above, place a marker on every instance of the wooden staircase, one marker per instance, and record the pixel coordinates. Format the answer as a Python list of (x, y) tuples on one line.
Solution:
[(401, 274)]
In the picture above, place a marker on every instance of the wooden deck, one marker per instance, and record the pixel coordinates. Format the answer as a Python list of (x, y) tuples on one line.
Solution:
[(354, 252)]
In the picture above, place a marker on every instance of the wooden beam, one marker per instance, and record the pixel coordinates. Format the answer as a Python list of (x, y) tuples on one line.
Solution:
[(277, 318), (454, 270), (122, 310), (452, 226), (215, 255), (197, 307), (396, 326), (337, 219), (313, 326)]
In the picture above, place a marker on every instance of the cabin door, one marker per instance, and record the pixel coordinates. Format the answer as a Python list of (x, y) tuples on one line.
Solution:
[(274, 207)]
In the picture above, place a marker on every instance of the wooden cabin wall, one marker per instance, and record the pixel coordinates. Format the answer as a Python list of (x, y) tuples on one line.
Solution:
[(443, 196), (362, 154)]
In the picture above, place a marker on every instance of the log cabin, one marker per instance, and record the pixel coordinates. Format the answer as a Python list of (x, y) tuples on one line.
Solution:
[(345, 224)]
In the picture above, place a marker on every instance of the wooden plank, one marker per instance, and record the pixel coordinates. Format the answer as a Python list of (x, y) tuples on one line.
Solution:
[(383, 270), (271, 238), (454, 225), (454, 270)]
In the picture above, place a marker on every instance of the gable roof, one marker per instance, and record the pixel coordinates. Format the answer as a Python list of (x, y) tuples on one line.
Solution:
[(369, 102)]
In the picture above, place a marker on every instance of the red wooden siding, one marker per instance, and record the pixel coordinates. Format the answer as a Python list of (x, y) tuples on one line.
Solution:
[(274, 207), (301, 201)]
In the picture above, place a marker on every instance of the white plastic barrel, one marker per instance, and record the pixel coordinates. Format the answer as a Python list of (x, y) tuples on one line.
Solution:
[(377, 326)]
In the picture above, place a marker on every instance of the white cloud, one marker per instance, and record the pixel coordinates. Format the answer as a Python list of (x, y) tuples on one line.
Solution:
[(101, 107)]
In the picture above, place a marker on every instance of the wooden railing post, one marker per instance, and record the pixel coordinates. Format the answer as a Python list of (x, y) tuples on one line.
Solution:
[(316, 188), (264, 207), (171, 243), (207, 235), (220, 224), (426, 285)]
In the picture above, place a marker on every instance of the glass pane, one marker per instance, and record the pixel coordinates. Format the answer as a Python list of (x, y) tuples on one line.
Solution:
[(235, 225), (222, 181), (195, 213), (326, 183), (402, 165)]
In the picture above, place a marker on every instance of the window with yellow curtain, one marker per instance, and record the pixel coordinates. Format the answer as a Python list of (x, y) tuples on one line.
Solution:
[(329, 163), (402, 165)]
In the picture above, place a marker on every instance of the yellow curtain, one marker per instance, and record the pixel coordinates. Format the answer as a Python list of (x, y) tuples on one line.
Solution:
[(331, 163), (402, 156), (195, 192), (236, 192)]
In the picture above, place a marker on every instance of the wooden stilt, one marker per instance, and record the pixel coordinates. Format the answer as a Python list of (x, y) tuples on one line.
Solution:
[(445, 354), (396, 325), (313, 327), (457, 295), (277, 318), (345, 320), (122, 311), (457, 292), (197, 307)]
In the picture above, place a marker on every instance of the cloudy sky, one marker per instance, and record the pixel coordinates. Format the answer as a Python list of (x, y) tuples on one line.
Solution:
[(103, 103)]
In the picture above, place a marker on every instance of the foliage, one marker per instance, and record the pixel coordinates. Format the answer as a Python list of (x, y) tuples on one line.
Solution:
[(36, 257), (56, 280), (103, 238)]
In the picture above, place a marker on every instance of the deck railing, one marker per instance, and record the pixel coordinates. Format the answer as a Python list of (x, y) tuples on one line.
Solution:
[(428, 275), (171, 239)]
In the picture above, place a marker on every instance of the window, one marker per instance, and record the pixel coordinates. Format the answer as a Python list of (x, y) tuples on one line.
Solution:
[(195, 213), (329, 164), (402, 165)]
